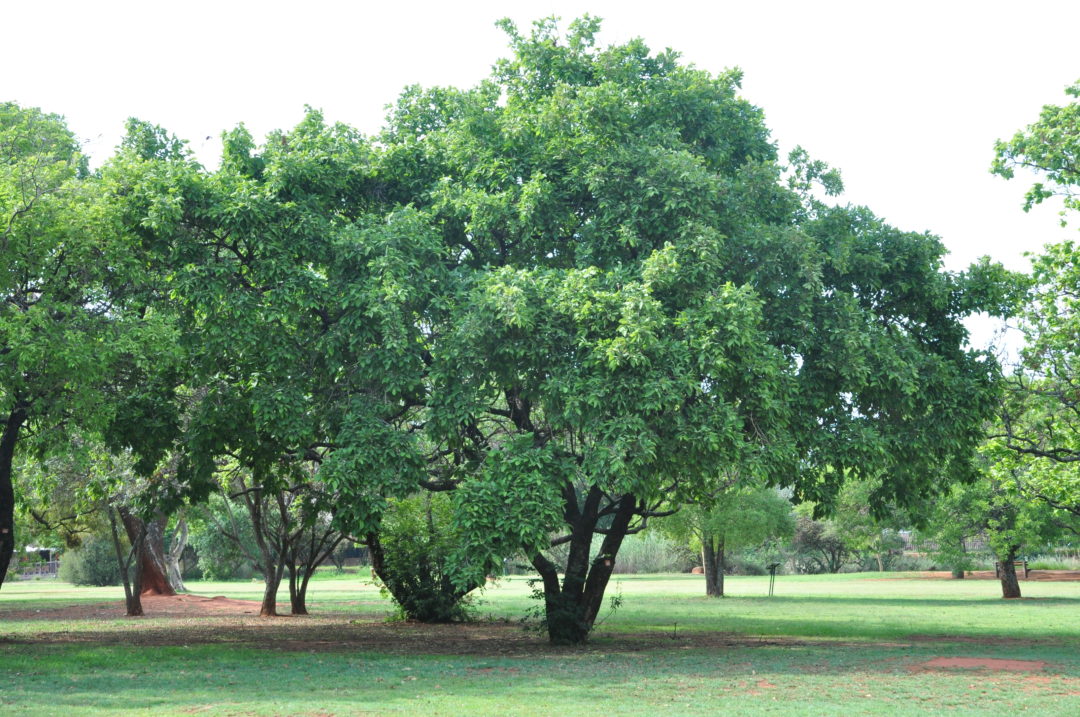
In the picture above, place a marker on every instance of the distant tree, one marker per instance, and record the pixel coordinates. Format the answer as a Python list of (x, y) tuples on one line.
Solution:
[(864, 532), (995, 506), (739, 518), (818, 545)]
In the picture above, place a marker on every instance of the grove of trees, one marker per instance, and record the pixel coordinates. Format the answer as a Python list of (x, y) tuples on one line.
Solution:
[(540, 312)]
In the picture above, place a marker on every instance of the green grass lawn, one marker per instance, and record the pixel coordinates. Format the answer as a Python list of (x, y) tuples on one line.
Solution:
[(846, 644)]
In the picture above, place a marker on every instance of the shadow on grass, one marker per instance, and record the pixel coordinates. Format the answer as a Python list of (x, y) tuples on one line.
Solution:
[(113, 679)]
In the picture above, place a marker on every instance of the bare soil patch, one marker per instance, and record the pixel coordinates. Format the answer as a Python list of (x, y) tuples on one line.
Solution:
[(184, 620), (190, 619), (980, 663), (1043, 576)]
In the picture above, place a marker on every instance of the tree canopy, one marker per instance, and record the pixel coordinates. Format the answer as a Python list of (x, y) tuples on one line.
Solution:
[(642, 300), (1039, 417), (574, 296)]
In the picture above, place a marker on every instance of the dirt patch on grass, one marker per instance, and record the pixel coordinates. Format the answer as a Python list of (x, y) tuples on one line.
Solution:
[(980, 663), (185, 620), (177, 606), (1042, 576)]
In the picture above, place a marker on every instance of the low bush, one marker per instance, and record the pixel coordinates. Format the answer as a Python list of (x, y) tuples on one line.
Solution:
[(411, 557), (92, 563)]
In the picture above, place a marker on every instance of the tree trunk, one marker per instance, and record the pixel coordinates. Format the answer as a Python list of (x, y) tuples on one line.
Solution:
[(571, 609), (174, 554), (301, 570), (151, 557), (958, 570), (1010, 586), (8, 439), (298, 593), (272, 580), (712, 556), (132, 593)]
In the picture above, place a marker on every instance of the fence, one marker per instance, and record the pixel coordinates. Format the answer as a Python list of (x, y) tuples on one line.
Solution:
[(39, 570)]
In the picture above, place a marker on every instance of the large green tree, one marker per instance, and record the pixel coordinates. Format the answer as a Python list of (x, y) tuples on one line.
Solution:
[(301, 295), (71, 328), (1040, 415), (639, 300)]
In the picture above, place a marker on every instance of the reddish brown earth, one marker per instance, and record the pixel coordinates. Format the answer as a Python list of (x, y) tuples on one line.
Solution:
[(1037, 575), (984, 663)]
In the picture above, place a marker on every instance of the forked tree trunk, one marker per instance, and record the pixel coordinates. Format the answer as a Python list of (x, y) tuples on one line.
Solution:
[(132, 586), (1010, 586), (572, 608), (8, 439), (319, 549), (273, 554), (152, 569)]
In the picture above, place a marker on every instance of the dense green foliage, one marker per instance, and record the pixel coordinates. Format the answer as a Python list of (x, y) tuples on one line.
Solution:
[(568, 299), (644, 303), (92, 563), (411, 556), (1040, 416)]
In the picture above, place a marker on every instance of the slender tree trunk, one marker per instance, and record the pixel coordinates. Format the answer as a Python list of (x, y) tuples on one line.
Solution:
[(273, 574), (300, 571), (174, 555), (572, 608), (720, 554), (8, 439), (958, 570), (152, 568), (132, 592), (1010, 586)]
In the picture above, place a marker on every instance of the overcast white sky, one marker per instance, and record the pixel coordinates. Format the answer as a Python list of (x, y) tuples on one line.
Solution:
[(906, 98)]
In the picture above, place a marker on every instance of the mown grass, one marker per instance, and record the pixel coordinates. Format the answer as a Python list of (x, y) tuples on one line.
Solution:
[(849, 644)]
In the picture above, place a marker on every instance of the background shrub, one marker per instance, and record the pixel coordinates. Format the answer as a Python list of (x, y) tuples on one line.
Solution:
[(92, 563)]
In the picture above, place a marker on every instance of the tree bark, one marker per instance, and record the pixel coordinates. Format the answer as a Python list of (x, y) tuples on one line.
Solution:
[(152, 568), (132, 593), (8, 439), (1010, 586), (174, 555), (300, 570), (958, 571), (571, 609), (712, 557)]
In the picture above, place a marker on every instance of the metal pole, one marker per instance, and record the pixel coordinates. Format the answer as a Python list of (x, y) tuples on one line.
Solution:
[(772, 576)]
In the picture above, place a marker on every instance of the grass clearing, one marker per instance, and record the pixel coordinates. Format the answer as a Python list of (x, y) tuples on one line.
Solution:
[(853, 644)]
